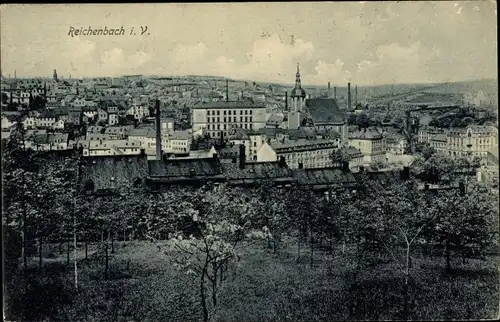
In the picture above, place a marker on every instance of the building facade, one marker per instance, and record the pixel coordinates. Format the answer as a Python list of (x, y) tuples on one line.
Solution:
[(219, 118), (371, 143), (299, 154)]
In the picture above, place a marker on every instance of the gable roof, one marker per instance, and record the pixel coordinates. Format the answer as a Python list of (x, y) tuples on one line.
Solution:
[(255, 171), (111, 172), (324, 110), (184, 168)]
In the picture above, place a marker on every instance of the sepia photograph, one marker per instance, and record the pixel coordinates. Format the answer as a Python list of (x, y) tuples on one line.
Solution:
[(244, 162)]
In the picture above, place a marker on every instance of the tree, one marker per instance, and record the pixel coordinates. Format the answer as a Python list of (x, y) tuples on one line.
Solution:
[(468, 223), (271, 214), (221, 226), (435, 169), (20, 168), (362, 120), (37, 103), (425, 150), (339, 158)]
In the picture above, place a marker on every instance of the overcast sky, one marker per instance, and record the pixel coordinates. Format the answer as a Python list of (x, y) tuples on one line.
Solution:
[(365, 43)]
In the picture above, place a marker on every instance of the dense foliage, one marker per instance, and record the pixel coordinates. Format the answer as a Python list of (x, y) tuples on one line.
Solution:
[(189, 253)]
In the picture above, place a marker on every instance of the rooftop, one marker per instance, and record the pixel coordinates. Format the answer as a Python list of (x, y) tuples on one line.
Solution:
[(228, 105), (303, 145), (324, 110)]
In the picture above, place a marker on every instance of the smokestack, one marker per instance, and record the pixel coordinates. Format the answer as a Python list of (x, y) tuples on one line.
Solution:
[(158, 131), (356, 95), (335, 92), (227, 90), (349, 96), (329, 89), (286, 101), (242, 156)]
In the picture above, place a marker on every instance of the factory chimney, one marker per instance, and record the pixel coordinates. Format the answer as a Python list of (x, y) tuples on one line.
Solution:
[(335, 92), (356, 95), (349, 96), (158, 131), (227, 90), (286, 101), (329, 90), (242, 156)]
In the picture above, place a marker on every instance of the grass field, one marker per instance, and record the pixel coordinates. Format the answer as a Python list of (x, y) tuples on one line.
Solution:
[(261, 286)]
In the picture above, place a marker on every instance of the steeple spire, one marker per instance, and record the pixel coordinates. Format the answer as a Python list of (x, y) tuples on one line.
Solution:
[(297, 77)]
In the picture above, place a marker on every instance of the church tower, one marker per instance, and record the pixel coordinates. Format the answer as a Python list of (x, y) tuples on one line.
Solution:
[(298, 99), (55, 75)]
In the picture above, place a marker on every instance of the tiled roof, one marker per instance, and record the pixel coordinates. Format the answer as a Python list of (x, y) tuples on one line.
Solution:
[(325, 176), (180, 135), (324, 110), (303, 145), (109, 172), (239, 134), (275, 119), (368, 134), (352, 151), (58, 138), (229, 152), (439, 137), (255, 171), (140, 131), (184, 168)]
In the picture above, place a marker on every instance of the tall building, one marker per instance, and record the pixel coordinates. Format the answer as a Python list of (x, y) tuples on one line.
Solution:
[(55, 75), (298, 99), (220, 118)]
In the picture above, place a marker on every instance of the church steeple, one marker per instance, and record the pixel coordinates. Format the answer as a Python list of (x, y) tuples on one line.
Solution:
[(298, 91), (297, 77)]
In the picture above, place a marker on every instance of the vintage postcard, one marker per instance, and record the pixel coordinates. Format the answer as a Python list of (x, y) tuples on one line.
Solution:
[(292, 161)]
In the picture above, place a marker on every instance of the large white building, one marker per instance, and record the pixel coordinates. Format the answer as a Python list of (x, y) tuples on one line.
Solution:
[(472, 141), (300, 153), (218, 118)]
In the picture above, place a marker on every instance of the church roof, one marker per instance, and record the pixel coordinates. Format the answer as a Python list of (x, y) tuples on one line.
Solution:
[(325, 110)]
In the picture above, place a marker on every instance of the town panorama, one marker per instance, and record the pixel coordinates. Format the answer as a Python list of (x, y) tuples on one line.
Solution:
[(183, 197)]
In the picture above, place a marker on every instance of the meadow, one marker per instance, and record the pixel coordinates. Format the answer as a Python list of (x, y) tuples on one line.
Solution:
[(144, 285)]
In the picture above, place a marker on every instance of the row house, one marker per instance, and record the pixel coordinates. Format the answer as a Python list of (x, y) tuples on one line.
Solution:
[(110, 147), (118, 132), (138, 111), (301, 153), (47, 119), (43, 141), (81, 102)]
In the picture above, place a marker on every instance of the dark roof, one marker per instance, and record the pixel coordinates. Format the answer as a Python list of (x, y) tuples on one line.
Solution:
[(324, 110), (382, 178), (110, 172), (47, 114), (325, 176), (225, 105), (229, 152), (255, 171), (184, 168)]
